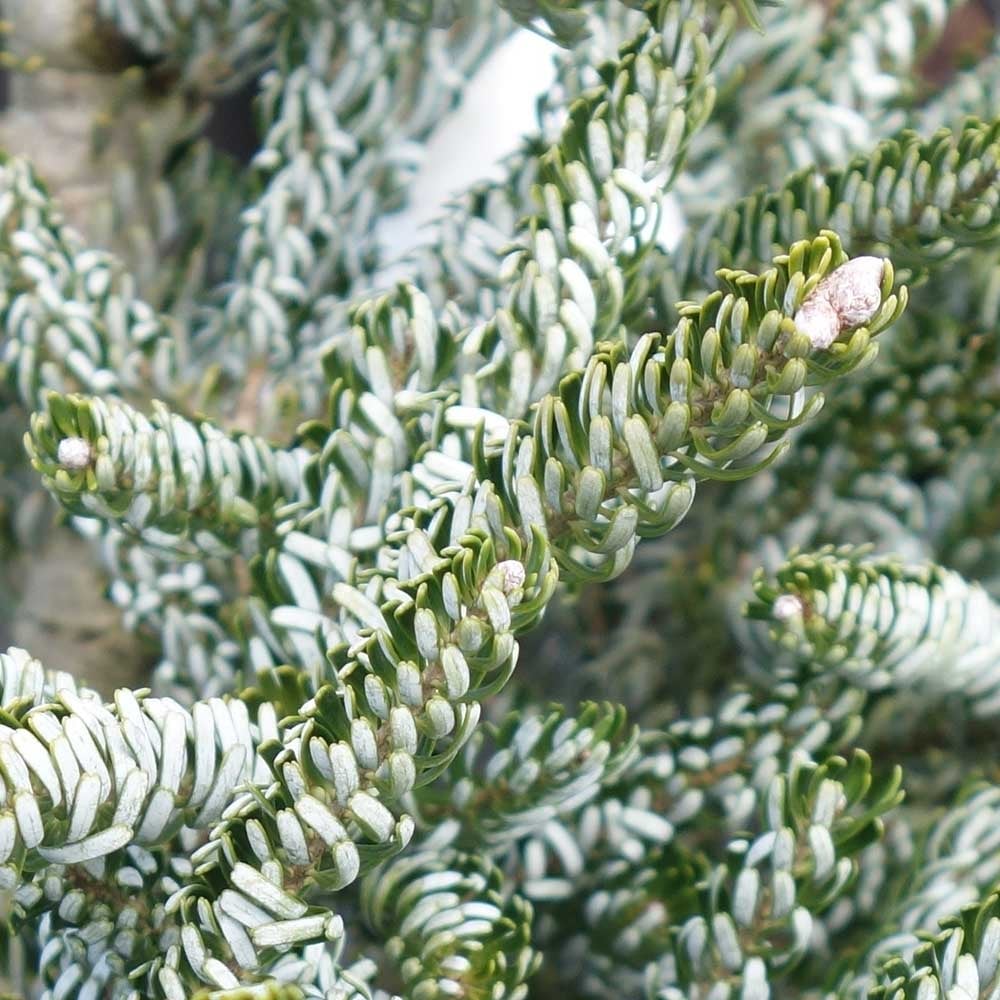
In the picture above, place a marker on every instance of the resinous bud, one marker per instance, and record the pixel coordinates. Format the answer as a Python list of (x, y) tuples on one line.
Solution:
[(848, 297)]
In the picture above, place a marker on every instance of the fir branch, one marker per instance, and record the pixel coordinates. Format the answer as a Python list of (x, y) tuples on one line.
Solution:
[(564, 22), (918, 201), (686, 52), (190, 607), (471, 456), (956, 865), (962, 959), (85, 779), (104, 459), (722, 367), (810, 91), (933, 389), (627, 853), (517, 781), (447, 925), (587, 453), (93, 932), (574, 272), (881, 625), (642, 846), (71, 315), (461, 263), (756, 917), (333, 158), (507, 363), (462, 589)]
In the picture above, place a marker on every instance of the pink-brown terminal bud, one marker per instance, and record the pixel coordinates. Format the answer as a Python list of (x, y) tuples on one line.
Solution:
[(847, 298)]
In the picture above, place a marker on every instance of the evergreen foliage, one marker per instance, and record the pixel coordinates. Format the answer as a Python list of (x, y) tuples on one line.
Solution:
[(577, 615)]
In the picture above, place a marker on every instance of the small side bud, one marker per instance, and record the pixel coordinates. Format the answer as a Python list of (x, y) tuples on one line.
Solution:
[(75, 454), (787, 606), (512, 575)]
